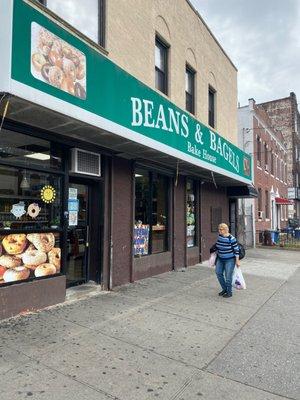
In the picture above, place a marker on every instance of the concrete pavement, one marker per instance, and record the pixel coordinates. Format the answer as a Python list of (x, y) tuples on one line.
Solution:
[(169, 337)]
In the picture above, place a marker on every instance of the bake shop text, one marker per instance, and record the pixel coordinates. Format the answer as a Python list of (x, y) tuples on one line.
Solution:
[(199, 141)]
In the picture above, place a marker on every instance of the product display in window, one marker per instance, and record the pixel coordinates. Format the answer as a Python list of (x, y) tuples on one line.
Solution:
[(190, 215), (151, 213), (23, 207), (32, 255)]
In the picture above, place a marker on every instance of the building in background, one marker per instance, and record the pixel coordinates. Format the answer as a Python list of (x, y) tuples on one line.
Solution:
[(284, 115), (118, 145), (266, 144)]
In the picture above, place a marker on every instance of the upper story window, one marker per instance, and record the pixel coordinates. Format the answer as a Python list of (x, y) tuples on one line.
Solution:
[(259, 202), (190, 89), (258, 143), (267, 204), (266, 157), (86, 16), (296, 152), (161, 66), (285, 173), (278, 168), (272, 163), (211, 106)]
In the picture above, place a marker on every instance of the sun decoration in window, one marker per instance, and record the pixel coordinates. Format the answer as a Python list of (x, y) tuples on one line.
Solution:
[(48, 194)]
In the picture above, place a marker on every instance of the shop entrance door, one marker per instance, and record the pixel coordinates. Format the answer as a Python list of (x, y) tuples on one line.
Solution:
[(83, 242)]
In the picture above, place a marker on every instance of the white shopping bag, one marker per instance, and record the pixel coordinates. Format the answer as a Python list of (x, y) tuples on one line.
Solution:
[(212, 259), (238, 280)]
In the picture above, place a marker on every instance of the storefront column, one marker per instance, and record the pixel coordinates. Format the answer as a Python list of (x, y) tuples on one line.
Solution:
[(122, 222), (193, 253), (179, 224), (107, 228)]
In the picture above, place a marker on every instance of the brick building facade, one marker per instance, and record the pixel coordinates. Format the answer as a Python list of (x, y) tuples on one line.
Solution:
[(269, 211), (284, 115)]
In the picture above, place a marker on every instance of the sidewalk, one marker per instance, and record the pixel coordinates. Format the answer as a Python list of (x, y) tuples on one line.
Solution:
[(169, 337)]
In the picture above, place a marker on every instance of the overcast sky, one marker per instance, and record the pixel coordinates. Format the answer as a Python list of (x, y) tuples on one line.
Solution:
[(262, 38)]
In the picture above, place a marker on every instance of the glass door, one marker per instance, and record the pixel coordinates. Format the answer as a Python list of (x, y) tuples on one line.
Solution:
[(77, 233)]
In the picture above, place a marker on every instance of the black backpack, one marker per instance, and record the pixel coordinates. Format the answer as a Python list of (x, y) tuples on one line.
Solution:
[(242, 251)]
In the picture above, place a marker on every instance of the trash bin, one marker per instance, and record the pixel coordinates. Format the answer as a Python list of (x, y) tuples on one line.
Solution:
[(297, 233), (267, 238), (272, 236)]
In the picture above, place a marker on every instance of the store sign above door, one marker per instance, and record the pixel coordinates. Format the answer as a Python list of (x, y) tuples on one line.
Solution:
[(88, 86)]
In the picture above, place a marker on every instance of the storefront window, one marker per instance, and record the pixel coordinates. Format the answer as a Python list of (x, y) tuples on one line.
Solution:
[(159, 213), (151, 213), (28, 151), (29, 200), (190, 213), (29, 211), (142, 212)]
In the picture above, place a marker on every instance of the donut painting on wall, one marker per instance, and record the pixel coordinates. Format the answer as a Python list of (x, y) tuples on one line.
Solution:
[(31, 255), (57, 63)]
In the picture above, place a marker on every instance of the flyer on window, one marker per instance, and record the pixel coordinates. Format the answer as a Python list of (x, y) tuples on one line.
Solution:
[(29, 255)]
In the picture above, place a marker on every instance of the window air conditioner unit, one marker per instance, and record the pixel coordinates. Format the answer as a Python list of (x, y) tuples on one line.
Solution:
[(85, 162), (260, 214)]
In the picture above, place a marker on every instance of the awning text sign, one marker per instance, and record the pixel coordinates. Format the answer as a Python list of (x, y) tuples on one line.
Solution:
[(198, 139), (57, 63)]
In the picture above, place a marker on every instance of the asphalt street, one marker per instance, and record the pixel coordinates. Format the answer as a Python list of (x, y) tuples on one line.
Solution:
[(169, 337)]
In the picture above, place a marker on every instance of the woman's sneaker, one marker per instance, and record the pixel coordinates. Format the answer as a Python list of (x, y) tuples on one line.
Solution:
[(222, 293)]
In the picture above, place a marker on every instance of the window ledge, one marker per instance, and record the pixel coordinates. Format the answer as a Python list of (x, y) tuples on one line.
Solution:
[(36, 4)]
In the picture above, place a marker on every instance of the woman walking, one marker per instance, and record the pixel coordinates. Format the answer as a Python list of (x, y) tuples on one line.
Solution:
[(227, 257)]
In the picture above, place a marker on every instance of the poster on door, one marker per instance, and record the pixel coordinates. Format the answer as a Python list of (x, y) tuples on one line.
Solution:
[(73, 193), (73, 218), (140, 240), (73, 206), (29, 255)]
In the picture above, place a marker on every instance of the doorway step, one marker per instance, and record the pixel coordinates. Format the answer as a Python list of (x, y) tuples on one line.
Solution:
[(84, 291)]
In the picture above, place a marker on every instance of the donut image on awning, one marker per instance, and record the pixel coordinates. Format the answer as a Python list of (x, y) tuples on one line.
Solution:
[(57, 63)]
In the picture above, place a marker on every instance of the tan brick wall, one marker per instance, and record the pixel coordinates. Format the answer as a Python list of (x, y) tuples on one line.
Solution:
[(131, 27)]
